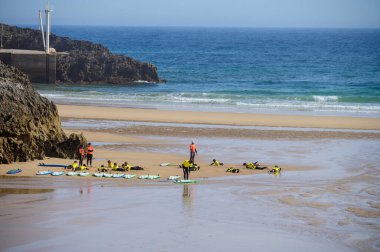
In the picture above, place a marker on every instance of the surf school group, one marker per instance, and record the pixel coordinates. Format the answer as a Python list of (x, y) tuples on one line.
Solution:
[(81, 169)]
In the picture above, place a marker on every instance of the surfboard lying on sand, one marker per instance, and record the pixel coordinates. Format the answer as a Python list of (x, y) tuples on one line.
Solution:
[(58, 173), (53, 165), (44, 172), (129, 176), (98, 174), (174, 177), (186, 181), (84, 174), (118, 175), (72, 174), (167, 164), (14, 171), (149, 177)]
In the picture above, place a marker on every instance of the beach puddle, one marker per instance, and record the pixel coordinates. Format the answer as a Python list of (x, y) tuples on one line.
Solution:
[(5, 191)]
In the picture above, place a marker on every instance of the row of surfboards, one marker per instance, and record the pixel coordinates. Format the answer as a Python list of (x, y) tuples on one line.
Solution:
[(175, 178), (101, 174)]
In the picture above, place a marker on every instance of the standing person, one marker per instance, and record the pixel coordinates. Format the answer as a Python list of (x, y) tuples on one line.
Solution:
[(81, 155), (90, 152), (193, 151)]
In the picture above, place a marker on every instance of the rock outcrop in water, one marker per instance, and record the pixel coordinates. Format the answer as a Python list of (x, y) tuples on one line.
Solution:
[(30, 127), (84, 62)]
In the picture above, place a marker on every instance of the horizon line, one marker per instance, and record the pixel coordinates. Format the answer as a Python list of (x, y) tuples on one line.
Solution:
[(211, 26)]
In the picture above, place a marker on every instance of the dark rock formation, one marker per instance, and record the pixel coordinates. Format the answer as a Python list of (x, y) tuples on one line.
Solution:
[(30, 127), (85, 62)]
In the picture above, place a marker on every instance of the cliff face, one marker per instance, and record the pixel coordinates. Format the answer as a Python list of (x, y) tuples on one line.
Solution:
[(30, 127), (85, 62)]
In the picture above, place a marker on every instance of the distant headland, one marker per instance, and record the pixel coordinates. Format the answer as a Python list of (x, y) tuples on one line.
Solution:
[(80, 61)]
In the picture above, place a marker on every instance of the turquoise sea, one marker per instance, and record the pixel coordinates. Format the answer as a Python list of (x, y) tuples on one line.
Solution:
[(296, 71)]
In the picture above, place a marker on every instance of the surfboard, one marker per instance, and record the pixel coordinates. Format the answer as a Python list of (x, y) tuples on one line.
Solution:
[(149, 176), (98, 174), (53, 165), (72, 174), (84, 174), (44, 172), (174, 177), (129, 176), (59, 173), (14, 171), (107, 175), (118, 175), (167, 164), (187, 181)]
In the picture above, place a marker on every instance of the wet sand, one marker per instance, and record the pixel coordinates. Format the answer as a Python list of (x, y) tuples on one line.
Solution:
[(152, 115)]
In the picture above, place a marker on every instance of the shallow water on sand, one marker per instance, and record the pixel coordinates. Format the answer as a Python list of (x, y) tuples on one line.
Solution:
[(333, 208), (250, 213)]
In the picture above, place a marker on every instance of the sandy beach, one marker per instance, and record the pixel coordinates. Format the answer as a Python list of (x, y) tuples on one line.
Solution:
[(152, 139), (240, 119), (325, 198)]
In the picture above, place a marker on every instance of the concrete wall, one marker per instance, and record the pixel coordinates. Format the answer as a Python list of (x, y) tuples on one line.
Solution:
[(40, 67)]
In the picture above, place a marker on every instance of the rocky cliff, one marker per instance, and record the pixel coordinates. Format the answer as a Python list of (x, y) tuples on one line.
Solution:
[(30, 127), (85, 62)]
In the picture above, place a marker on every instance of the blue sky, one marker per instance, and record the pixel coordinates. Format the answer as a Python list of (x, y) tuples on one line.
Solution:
[(221, 13)]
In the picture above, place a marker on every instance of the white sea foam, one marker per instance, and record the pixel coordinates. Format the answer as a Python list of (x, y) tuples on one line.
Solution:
[(211, 101), (325, 98), (52, 95), (143, 81), (200, 100), (313, 107)]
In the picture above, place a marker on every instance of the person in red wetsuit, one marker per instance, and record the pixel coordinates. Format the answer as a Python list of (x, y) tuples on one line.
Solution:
[(90, 152), (193, 151), (81, 155)]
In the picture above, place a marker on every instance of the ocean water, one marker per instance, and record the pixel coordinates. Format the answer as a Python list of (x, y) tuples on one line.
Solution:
[(307, 71)]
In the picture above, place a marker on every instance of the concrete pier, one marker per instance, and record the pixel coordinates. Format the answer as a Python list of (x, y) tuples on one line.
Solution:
[(38, 65)]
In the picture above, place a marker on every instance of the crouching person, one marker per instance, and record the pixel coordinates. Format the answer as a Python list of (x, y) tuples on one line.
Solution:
[(186, 165)]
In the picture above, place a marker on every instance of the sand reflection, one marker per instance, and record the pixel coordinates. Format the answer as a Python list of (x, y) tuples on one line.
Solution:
[(86, 189)]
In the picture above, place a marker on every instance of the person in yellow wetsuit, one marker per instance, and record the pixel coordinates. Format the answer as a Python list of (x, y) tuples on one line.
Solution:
[(109, 164), (186, 165), (126, 166), (233, 170), (103, 169), (115, 167), (250, 166), (276, 170), (216, 163), (83, 167), (254, 166), (75, 165)]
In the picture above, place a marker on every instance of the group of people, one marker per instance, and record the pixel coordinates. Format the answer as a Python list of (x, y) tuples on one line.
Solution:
[(77, 167), (187, 165), (88, 153), (115, 167)]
